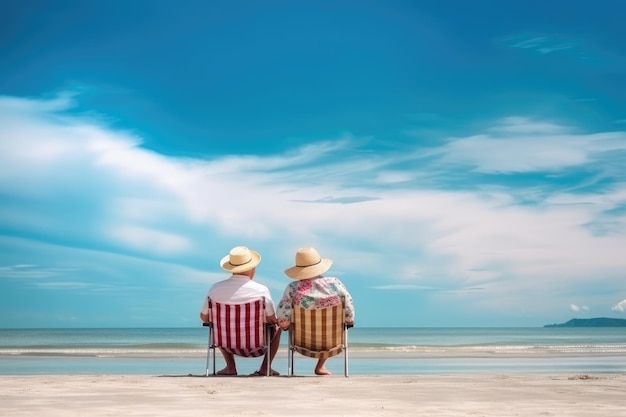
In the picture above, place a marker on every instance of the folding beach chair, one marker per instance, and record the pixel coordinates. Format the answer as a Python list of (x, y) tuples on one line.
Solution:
[(318, 333), (239, 329)]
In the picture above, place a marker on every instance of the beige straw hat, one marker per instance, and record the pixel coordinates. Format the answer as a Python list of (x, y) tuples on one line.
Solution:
[(309, 264), (240, 259)]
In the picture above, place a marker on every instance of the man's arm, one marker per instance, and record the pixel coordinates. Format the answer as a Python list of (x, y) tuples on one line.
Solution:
[(205, 313)]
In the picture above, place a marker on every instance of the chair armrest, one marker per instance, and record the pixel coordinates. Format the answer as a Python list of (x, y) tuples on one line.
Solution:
[(349, 325), (207, 324)]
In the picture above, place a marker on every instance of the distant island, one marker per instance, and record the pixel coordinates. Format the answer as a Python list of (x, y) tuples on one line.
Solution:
[(596, 322)]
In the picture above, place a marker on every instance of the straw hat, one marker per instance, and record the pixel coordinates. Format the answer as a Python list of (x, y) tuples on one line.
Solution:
[(309, 264), (240, 259)]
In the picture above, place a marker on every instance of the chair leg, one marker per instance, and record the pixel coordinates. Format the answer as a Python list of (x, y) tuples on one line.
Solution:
[(288, 359), (289, 353), (208, 353), (345, 352), (213, 350), (268, 353)]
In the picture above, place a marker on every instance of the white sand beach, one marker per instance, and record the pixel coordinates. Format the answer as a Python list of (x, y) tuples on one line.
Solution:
[(455, 395)]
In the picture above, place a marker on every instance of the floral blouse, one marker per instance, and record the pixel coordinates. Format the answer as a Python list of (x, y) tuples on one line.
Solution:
[(315, 292)]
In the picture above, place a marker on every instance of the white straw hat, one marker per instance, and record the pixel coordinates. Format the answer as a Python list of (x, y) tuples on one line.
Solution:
[(240, 259), (309, 264)]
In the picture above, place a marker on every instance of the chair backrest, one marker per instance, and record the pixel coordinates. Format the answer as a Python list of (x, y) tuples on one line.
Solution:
[(319, 332), (239, 328)]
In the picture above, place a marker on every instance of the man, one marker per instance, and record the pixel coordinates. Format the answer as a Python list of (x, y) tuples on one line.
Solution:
[(241, 262)]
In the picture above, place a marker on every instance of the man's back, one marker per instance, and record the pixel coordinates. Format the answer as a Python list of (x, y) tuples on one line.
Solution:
[(241, 289)]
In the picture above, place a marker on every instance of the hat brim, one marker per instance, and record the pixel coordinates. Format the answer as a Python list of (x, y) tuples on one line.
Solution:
[(305, 272), (228, 267)]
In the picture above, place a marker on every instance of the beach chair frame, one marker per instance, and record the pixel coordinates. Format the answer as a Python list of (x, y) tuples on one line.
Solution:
[(318, 333), (239, 328)]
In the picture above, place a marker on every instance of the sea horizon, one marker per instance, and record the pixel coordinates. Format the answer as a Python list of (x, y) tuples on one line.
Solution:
[(372, 350)]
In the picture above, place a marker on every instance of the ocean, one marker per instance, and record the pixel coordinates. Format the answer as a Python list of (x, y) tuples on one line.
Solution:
[(384, 351)]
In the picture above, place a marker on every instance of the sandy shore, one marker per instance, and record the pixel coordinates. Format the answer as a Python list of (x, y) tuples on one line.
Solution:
[(462, 395)]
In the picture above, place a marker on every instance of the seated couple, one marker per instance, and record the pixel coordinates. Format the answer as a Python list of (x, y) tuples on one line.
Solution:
[(310, 289)]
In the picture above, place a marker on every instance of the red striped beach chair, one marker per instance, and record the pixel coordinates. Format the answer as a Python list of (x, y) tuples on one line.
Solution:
[(239, 329), (318, 333)]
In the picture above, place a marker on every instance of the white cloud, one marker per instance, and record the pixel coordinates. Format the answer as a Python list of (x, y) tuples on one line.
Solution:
[(97, 187), (577, 309), (403, 287), (392, 177), (542, 44), (32, 271), (518, 144), (621, 306), (554, 48), (516, 125), (529, 43), (149, 239)]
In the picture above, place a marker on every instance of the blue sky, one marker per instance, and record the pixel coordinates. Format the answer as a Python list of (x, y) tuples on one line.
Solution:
[(463, 163)]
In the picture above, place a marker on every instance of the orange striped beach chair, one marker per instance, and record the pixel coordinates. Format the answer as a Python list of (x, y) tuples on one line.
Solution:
[(318, 333), (239, 329)]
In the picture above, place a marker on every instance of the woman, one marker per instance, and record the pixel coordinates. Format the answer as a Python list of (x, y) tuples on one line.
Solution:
[(310, 289)]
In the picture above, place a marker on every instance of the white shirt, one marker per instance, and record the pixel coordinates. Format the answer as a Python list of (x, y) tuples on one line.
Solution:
[(239, 289)]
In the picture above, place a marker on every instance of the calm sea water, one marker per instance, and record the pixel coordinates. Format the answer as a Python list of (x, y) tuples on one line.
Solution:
[(372, 351)]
